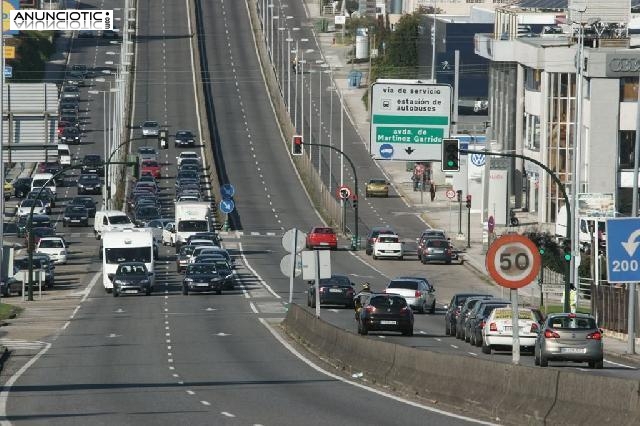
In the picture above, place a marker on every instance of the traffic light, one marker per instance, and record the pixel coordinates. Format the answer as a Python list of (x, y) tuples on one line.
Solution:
[(296, 145), (450, 155), (468, 201), (541, 246), (355, 201), (566, 250)]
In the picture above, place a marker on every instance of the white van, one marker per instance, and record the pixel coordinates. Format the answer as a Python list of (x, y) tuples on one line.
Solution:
[(111, 220), (131, 245), (64, 154), (40, 179)]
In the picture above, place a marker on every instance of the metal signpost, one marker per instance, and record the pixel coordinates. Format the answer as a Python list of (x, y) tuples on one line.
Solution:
[(623, 263), (293, 242), (409, 120), (513, 261)]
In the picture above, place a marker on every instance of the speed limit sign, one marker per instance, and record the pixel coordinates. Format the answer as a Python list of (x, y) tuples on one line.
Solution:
[(513, 261)]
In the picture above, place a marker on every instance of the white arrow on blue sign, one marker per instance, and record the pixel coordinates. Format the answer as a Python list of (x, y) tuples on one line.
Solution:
[(623, 256), (227, 206), (227, 190), (8, 71)]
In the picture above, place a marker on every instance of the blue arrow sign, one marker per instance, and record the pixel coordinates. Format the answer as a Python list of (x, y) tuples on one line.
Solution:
[(8, 71), (227, 206), (227, 190), (623, 250)]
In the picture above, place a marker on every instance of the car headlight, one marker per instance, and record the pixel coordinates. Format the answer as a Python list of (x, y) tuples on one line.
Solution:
[(67, 218), (228, 277), (119, 282), (81, 185), (144, 282), (215, 279), (188, 280), (84, 217)]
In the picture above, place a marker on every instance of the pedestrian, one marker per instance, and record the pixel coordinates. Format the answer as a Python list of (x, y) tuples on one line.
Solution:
[(414, 178), (432, 191)]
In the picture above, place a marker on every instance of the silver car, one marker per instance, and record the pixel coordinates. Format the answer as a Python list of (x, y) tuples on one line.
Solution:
[(569, 337), (150, 128), (147, 153), (417, 291)]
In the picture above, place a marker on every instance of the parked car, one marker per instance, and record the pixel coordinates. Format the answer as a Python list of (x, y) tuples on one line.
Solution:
[(185, 138), (373, 235), (150, 128), (465, 311), (131, 278), (55, 247), (75, 216), (498, 329), (475, 318), (377, 188), (388, 245), (202, 277), (453, 310), (87, 201), (418, 292), (569, 337), (385, 312), (9, 286), (322, 237), (40, 262), (476, 324), (337, 290), (21, 187)]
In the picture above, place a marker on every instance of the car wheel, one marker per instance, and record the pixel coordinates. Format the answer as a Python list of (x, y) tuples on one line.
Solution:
[(433, 308), (544, 362), (596, 364), (478, 341), (108, 290), (400, 257), (408, 332), (219, 292), (363, 329), (185, 290), (115, 293), (313, 303), (148, 292), (458, 334), (368, 252), (423, 308), (486, 349), (536, 359), (375, 257), (448, 262), (467, 337), (447, 328), (64, 224), (423, 260), (6, 292)]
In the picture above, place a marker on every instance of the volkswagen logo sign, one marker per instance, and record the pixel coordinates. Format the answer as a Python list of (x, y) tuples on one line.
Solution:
[(478, 159)]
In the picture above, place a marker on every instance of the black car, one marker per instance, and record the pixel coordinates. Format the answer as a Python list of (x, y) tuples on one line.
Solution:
[(465, 311), (75, 78), (89, 184), (131, 278), (187, 175), (146, 213), (21, 187), (39, 220), (185, 138), (69, 107), (224, 270), (87, 202), (92, 163), (55, 168), (72, 119), (453, 310), (70, 136), (82, 70), (10, 285), (337, 290), (75, 216), (40, 262), (202, 277), (385, 312), (188, 167), (473, 320), (373, 235)]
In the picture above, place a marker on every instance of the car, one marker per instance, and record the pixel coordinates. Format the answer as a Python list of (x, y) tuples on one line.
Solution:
[(89, 183), (187, 175), (157, 227), (385, 312), (189, 167), (188, 155), (436, 250), (10, 285), (216, 250), (67, 108), (39, 232), (38, 220), (131, 278), (377, 188), (63, 125), (54, 169), (86, 201), (336, 290), (211, 236), (75, 216), (70, 135), (55, 247), (497, 332), (202, 277), (82, 70), (475, 318), (388, 245), (111, 34), (189, 161), (478, 318), (201, 245), (40, 262), (92, 163), (189, 198), (184, 138), (147, 153), (46, 196), (418, 292), (74, 78), (373, 235), (70, 92), (25, 207), (427, 235), (224, 268), (453, 309), (151, 167), (169, 235), (85, 33), (569, 337), (146, 213), (8, 189), (148, 178), (465, 311), (322, 237), (150, 128), (149, 187), (21, 187)]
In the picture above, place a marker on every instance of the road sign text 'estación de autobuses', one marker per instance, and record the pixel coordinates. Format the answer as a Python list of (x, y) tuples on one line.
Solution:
[(409, 119)]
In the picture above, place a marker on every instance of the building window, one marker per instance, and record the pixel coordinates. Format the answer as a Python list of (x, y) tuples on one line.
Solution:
[(629, 89), (626, 148), (532, 79), (532, 132)]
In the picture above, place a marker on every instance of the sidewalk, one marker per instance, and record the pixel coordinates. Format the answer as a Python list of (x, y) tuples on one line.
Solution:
[(442, 213)]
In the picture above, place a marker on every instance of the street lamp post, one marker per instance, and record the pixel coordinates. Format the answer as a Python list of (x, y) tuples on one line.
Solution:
[(289, 40), (106, 129)]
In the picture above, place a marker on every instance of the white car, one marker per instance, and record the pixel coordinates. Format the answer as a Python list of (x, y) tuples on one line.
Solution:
[(150, 128), (25, 207), (187, 155), (498, 330), (55, 247), (388, 245), (157, 229), (169, 234)]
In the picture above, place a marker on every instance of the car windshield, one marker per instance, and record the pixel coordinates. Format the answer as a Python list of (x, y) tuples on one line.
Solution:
[(394, 303), (75, 209), (437, 243), (183, 134), (91, 159), (221, 263), (89, 178), (119, 220), (487, 309), (146, 150), (128, 254), (201, 268), (51, 244), (188, 155), (149, 163), (132, 269), (323, 231), (378, 182), (192, 226), (386, 239), (147, 211), (82, 201), (335, 280), (150, 124), (186, 250), (70, 131), (569, 323), (410, 285), (31, 202)]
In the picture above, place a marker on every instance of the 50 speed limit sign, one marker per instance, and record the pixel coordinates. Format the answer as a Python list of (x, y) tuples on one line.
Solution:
[(513, 261)]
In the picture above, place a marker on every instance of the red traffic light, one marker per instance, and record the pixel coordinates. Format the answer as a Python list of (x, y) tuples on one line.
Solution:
[(468, 201), (296, 145)]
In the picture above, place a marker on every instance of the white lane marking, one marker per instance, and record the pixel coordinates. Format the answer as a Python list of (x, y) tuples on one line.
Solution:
[(226, 414), (190, 392), (253, 307), (376, 391), (175, 375), (92, 283), (170, 360), (4, 395), (369, 265), (438, 339), (75, 311), (472, 353), (66, 324), (171, 367), (205, 403), (454, 346), (253, 271), (619, 365)]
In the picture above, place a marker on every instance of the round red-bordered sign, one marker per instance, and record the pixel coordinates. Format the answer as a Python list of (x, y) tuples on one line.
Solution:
[(513, 261), (451, 194), (343, 192)]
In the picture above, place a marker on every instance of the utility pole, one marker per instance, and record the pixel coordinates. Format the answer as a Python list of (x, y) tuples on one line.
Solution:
[(433, 45), (631, 348)]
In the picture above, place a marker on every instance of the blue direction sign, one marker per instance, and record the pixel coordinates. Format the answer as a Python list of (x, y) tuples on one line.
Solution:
[(8, 71), (623, 250), (227, 190), (227, 206)]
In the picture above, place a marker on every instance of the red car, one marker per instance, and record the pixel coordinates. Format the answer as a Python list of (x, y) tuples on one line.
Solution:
[(151, 167), (322, 237)]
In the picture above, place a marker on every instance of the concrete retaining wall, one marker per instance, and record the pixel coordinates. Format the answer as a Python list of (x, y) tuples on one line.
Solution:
[(512, 394)]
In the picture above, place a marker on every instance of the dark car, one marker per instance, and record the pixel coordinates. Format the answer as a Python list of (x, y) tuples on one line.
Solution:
[(21, 187), (185, 138), (202, 277), (225, 270), (69, 107), (39, 220), (373, 235), (465, 311), (39, 232), (337, 290), (55, 168), (191, 162), (474, 319), (453, 310), (75, 216), (131, 278), (111, 34), (40, 262), (385, 312), (86, 201), (82, 70), (146, 213), (187, 174), (76, 78), (45, 194), (10, 285), (89, 183), (212, 236), (426, 235), (185, 167), (92, 163), (436, 250), (70, 136), (183, 256)]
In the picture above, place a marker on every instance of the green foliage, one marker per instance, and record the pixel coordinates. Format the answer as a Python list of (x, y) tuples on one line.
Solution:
[(32, 54), (552, 257)]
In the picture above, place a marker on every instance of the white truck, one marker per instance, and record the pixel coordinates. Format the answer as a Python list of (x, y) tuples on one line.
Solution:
[(126, 245), (585, 236), (191, 218)]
